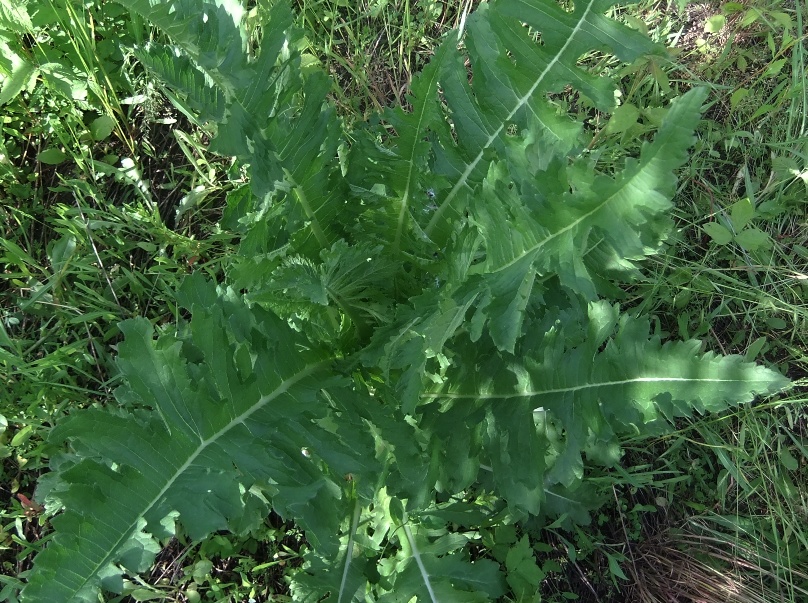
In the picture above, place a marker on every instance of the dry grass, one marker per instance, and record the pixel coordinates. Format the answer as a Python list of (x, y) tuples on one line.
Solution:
[(687, 566)]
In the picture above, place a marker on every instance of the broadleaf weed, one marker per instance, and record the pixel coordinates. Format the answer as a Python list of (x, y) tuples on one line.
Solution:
[(411, 351)]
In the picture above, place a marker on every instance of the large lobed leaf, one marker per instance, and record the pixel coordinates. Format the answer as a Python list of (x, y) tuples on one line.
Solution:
[(578, 381), (581, 234), (239, 404), (263, 111)]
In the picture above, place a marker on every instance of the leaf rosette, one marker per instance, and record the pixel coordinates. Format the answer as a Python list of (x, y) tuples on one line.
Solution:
[(414, 334)]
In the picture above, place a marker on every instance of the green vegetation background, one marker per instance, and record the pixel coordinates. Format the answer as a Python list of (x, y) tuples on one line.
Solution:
[(109, 197)]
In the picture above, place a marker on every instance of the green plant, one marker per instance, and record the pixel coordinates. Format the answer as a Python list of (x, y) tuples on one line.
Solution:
[(414, 342), (72, 49)]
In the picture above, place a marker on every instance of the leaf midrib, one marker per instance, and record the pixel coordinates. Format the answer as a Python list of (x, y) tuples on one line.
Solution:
[(411, 161), (599, 384)]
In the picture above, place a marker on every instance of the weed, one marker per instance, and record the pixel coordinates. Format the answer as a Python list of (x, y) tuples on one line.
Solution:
[(110, 196)]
